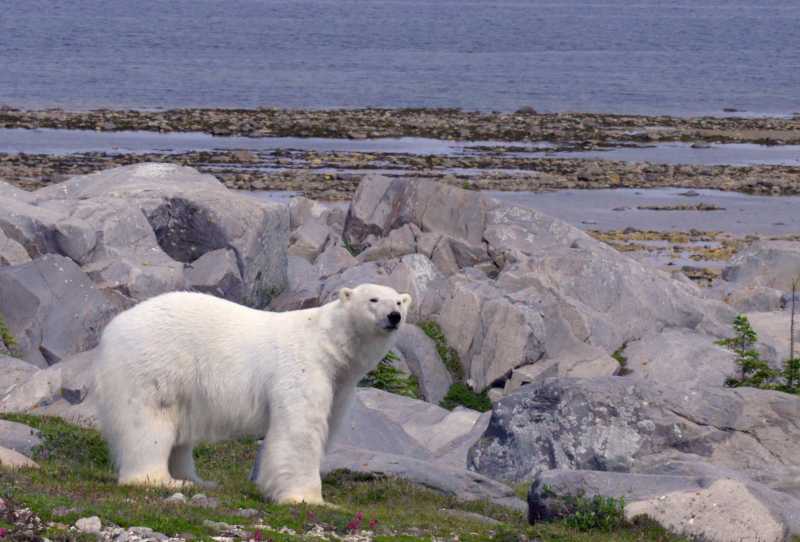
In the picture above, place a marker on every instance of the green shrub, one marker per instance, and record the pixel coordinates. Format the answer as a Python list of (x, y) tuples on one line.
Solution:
[(754, 371), (596, 514), (461, 394), (622, 360), (448, 356), (5, 335), (388, 378)]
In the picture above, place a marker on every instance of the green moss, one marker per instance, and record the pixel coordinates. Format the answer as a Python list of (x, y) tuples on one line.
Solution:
[(461, 394), (388, 378), (622, 360), (448, 355), (6, 336)]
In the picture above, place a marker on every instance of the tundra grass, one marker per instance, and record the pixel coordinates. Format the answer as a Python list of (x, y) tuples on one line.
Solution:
[(76, 480)]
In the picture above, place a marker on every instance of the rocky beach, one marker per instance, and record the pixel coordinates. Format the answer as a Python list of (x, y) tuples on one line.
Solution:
[(602, 374)]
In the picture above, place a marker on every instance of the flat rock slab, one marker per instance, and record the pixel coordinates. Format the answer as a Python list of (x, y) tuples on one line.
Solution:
[(461, 483), (12, 459)]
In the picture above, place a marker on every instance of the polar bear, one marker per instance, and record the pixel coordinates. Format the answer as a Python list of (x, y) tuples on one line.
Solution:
[(182, 368)]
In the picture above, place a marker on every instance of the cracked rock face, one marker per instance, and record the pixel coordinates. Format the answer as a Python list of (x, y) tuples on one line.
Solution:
[(627, 424)]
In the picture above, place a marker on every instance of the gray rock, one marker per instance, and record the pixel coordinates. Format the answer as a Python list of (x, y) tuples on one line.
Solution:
[(14, 372), (398, 243), (192, 214), (755, 299), (216, 273), (176, 498), (772, 264), (11, 252), (682, 358), (522, 287), (63, 390), (616, 424), (333, 260), (52, 309), (9, 191), (309, 240), (303, 286), (424, 362), (772, 329), (302, 210), (91, 525), (32, 227), (413, 274), (381, 205), (582, 362), (461, 483), (19, 437)]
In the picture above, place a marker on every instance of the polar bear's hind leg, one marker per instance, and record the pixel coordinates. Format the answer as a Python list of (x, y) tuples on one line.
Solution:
[(143, 454)]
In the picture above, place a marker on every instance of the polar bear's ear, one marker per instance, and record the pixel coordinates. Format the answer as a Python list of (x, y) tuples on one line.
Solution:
[(406, 299), (345, 294)]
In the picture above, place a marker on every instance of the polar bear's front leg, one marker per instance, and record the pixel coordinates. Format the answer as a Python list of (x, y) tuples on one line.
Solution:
[(291, 455)]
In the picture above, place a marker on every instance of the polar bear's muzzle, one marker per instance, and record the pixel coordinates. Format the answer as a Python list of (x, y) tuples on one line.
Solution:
[(393, 321)]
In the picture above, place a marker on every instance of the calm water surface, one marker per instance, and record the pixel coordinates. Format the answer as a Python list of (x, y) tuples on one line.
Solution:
[(637, 56)]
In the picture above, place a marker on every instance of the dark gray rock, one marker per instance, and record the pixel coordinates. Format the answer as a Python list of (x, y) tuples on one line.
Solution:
[(617, 424), (52, 308), (216, 273)]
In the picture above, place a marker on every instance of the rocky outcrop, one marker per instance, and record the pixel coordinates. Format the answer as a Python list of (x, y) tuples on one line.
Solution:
[(190, 214), (515, 288), (624, 424), (52, 308)]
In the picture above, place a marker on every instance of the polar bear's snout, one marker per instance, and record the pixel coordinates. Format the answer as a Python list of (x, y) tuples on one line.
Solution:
[(393, 321)]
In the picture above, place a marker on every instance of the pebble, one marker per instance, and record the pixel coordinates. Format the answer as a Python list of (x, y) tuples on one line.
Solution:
[(89, 525), (176, 498), (204, 501)]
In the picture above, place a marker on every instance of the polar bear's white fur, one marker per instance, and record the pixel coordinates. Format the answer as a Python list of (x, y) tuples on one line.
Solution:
[(183, 367)]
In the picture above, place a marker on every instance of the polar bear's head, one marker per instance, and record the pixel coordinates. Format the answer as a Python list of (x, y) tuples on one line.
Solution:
[(373, 307)]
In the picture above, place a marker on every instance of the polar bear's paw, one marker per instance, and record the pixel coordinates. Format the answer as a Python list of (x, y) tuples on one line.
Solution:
[(302, 499)]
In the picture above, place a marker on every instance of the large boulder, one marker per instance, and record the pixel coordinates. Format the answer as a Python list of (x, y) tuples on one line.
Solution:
[(52, 309), (116, 246), (413, 274), (683, 358), (516, 287), (771, 264), (19, 437), (191, 214), (625, 424)]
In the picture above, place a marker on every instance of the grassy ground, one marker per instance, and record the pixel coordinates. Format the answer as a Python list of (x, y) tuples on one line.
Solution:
[(76, 480)]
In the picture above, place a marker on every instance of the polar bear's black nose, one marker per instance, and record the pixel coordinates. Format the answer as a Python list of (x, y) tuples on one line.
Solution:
[(394, 318)]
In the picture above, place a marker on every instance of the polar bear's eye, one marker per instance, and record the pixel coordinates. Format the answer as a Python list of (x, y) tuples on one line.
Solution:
[(398, 303), (373, 300)]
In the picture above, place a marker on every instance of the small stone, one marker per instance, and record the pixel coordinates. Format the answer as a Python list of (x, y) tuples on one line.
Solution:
[(176, 498), (89, 525), (247, 512)]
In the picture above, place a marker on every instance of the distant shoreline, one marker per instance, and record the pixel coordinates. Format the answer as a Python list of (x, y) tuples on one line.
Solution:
[(448, 124)]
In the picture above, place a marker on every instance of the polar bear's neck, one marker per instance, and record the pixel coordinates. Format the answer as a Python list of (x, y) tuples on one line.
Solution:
[(353, 353)]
